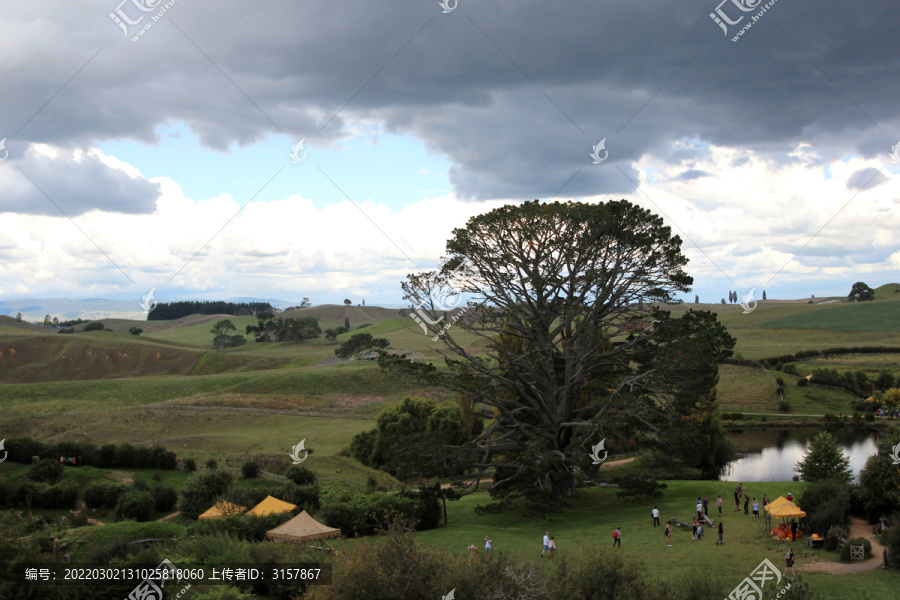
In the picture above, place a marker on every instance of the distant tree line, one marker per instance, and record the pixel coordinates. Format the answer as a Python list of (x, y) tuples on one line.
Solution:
[(167, 311), (107, 456), (777, 361)]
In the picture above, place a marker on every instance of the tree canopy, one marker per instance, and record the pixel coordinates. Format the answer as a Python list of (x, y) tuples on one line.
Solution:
[(824, 460), (360, 342), (571, 359), (860, 292)]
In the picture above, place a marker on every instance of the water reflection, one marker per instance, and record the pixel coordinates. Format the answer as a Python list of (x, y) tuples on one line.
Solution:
[(772, 454)]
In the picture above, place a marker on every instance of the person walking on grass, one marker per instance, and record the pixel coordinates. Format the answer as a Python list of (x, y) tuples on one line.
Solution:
[(699, 532), (737, 499), (694, 529), (789, 562), (655, 514), (719, 504), (546, 543), (668, 535), (552, 546), (487, 547), (706, 505), (699, 509), (746, 504), (617, 538), (755, 510), (721, 531)]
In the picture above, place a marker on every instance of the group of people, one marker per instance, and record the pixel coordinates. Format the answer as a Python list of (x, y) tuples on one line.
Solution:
[(886, 412)]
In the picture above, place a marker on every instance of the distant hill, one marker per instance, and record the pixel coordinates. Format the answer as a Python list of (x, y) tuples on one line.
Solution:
[(888, 291)]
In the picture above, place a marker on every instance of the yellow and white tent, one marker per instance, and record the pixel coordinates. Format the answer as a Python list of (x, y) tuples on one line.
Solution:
[(782, 508), (270, 506), (221, 509)]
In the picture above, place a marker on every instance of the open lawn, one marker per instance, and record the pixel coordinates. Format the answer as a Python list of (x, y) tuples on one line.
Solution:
[(595, 513)]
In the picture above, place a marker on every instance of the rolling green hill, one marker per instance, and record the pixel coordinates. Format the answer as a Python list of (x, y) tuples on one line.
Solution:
[(853, 316)]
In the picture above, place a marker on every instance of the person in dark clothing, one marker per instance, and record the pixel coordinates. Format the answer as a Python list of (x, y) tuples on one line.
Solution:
[(793, 529), (746, 504), (737, 499), (721, 531), (705, 505)]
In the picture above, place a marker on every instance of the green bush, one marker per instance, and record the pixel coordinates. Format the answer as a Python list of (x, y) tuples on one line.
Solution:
[(789, 368), (202, 490), (103, 494), (42, 495), (212, 464), (165, 497), (94, 326), (250, 469), (250, 529), (803, 382), (860, 541), (135, 504), (46, 471), (827, 503), (190, 464), (784, 406), (300, 475), (306, 497)]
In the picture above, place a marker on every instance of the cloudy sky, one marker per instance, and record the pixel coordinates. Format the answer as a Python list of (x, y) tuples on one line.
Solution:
[(154, 144)]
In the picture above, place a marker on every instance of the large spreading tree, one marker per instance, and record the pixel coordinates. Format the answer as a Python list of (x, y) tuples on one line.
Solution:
[(569, 355)]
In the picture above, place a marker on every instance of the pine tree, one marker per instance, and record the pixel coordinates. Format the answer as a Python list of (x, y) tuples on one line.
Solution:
[(824, 460)]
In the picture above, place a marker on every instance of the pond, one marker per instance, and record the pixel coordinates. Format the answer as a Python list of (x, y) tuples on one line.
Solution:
[(772, 454)]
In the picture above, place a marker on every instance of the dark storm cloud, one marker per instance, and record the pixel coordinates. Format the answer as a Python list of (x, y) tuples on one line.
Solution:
[(515, 93), (869, 178), (44, 185)]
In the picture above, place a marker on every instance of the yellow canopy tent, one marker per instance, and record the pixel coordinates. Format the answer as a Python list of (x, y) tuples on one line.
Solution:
[(221, 509), (779, 500), (782, 508), (270, 506), (302, 528)]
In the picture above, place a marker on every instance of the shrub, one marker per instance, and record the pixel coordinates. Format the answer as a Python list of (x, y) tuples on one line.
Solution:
[(140, 484), (300, 475), (190, 464), (250, 529), (784, 406), (212, 464), (803, 382), (789, 368), (827, 503), (201, 491), (639, 488), (117, 549), (860, 541), (103, 494), (135, 504), (306, 497), (779, 381), (250, 469), (94, 326), (42, 495), (832, 538), (165, 497), (46, 471)]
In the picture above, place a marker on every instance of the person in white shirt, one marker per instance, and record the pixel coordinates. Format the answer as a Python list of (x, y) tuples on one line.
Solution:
[(546, 543), (655, 514), (552, 547)]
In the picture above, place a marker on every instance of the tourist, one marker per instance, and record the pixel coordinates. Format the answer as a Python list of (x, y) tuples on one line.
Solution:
[(655, 514), (699, 532), (473, 552), (617, 538), (552, 546), (793, 529), (694, 529), (746, 504), (755, 510), (487, 546), (765, 501), (668, 535), (705, 505), (721, 531), (699, 509), (789, 562), (546, 543), (789, 497), (719, 504), (737, 499)]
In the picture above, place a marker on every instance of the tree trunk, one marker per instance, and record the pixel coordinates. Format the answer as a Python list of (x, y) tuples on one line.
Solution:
[(563, 484)]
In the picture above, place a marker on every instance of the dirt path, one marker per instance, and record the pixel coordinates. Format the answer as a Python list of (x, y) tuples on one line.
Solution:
[(858, 528), (167, 517)]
